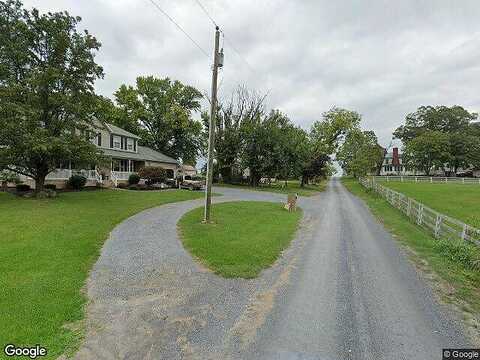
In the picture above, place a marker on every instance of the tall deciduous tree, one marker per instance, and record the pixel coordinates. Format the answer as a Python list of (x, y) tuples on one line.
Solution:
[(160, 111), (47, 73), (325, 138), (455, 122), (360, 153), (428, 150), (243, 107)]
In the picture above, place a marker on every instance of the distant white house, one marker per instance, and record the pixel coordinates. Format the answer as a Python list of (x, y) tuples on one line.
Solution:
[(393, 165), (189, 170)]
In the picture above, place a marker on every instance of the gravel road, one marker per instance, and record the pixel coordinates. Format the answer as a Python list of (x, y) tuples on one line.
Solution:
[(343, 290)]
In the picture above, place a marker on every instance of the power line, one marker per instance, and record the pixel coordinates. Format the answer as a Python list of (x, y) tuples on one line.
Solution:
[(230, 44), (180, 28), (227, 40), (206, 12)]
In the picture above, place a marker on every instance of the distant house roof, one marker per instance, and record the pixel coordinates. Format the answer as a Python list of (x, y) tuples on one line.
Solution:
[(119, 131), (189, 168), (144, 153)]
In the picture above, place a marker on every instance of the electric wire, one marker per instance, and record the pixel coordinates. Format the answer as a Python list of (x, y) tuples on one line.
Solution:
[(180, 28)]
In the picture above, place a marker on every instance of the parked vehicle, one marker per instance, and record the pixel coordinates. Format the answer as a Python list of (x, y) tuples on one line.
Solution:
[(192, 182)]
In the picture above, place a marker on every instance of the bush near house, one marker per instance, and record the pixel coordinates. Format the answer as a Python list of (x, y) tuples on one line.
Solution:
[(153, 174), (133, 179), (23, 187), (77, 182), (8, 177)]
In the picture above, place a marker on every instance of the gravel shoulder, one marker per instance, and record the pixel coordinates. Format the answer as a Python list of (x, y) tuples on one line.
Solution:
[(342, 290)]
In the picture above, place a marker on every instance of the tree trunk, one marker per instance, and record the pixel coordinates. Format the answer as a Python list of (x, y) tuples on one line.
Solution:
[(40, 183), (4, 186)]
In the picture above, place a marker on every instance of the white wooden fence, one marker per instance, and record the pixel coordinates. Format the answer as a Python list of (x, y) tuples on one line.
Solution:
[(440, 225), (429, 179)]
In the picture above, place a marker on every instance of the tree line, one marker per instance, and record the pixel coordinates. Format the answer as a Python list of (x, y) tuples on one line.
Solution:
[(440, 138)]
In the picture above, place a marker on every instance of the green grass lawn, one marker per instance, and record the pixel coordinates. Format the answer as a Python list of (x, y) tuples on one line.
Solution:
[(244, 238), (449, 260), (47, 248), (460, 201), (293, 186)]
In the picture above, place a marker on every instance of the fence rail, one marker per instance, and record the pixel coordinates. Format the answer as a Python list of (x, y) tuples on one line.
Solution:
[(429, 179), (440, 225)]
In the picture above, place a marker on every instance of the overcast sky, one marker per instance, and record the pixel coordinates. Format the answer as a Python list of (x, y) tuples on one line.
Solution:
[(380, 58)]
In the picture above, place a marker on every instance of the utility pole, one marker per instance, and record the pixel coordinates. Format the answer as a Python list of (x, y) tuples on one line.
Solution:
[(217, 62)]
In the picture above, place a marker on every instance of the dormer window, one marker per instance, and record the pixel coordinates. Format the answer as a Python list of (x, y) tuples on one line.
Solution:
[(117, 142), (129, 144)]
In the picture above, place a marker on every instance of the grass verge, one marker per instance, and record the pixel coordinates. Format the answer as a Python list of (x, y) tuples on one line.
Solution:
[(47, 248), (460, 201), (244, 238), (293, 186), (450, 263)]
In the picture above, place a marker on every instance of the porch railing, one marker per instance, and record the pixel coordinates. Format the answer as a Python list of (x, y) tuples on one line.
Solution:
[(122, 175)]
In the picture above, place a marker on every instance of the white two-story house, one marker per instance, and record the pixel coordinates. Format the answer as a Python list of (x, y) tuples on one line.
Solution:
[(125, 156)]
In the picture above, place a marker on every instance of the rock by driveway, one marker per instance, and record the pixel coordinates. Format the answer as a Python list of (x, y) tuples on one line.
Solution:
[(343, 290)]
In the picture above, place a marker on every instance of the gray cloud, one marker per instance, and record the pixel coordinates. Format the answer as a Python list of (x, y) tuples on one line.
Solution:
[(380, 58)]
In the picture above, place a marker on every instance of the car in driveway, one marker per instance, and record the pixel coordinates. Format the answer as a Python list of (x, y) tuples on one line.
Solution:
[(192, 182)]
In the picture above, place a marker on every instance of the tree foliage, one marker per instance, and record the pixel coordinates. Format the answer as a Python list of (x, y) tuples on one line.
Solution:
[(458, 126), (47, 72), (428, 150), (160, 112), (360, 153)]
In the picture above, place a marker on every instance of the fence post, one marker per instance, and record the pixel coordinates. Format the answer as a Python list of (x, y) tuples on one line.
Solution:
[(431, 179), (401, 177), (463, 180), (416, 179), (438, 224), (409, 207), (464, 231), (420, 214)]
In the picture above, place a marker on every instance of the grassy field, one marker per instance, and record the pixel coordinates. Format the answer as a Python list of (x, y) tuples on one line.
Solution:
[(452, 262), (244, 238), (293, 186), (47, 248), (460, 201)]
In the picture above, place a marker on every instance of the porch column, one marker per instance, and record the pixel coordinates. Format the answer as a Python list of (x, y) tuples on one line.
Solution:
[(129, 165)]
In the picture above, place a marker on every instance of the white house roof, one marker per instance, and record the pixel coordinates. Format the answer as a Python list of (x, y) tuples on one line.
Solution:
[(189, 168)]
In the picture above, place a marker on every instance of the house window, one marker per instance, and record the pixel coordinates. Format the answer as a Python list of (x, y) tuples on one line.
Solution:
[(117, 143), (129, 144)]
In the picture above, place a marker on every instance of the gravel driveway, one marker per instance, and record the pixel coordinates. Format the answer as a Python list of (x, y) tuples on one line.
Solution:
[(343, 290)]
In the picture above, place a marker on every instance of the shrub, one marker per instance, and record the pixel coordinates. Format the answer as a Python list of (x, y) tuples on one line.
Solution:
[(77, 182), (153, 174), (133, 187), (133, 179), (52, 187), (23, 187), (122, 186), (460, 252), (8, 177)]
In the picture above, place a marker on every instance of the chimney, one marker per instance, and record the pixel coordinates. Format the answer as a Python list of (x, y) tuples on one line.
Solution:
[(395, 159)]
